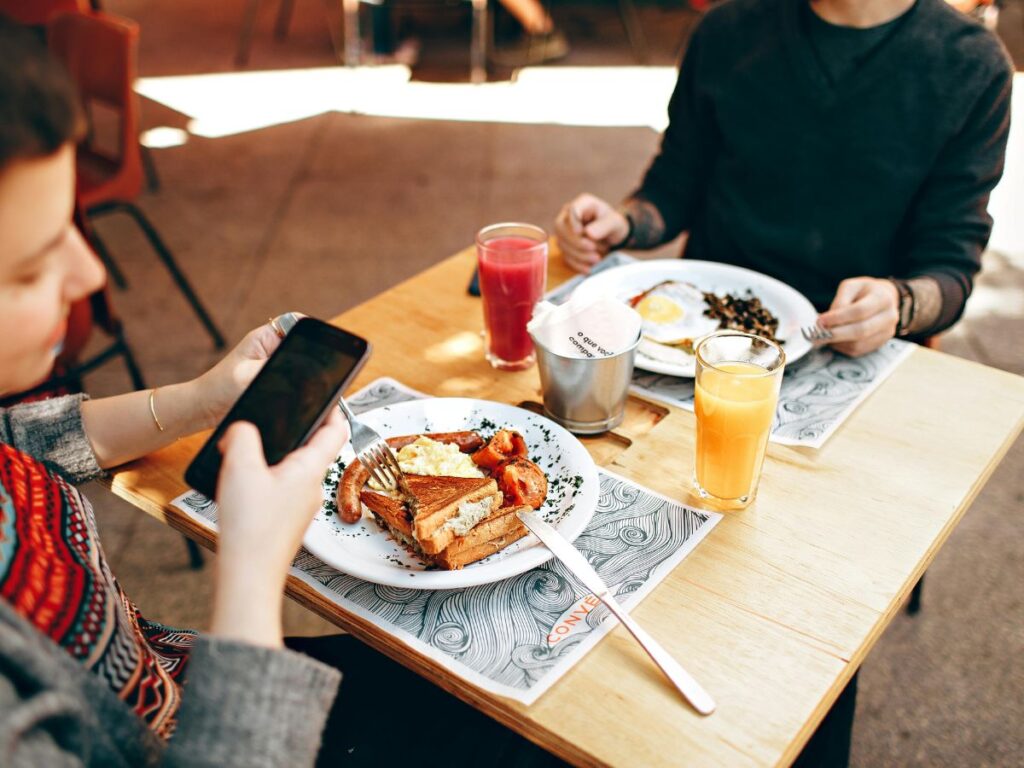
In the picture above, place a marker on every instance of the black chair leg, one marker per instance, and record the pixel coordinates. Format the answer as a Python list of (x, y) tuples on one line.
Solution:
[(914, 603), (172, 266), (195, 554), (634, 30), (284, 17), (149, 167), (138, 382), (245, 34), (108, 262)]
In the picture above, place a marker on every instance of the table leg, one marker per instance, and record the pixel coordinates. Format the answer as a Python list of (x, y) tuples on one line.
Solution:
[(829, 747), (350, 10), (478, 45)]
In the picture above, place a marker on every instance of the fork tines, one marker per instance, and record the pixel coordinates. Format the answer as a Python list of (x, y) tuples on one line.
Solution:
[(382, 465), (815, 333)]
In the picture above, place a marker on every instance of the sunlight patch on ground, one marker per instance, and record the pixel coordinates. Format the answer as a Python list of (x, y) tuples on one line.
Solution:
[(163, 137), (223, 104)]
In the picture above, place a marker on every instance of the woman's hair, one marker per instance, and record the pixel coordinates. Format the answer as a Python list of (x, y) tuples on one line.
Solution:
[(39, 110)]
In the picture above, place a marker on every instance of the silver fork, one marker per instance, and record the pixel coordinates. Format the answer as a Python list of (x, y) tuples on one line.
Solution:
[(816, 334), (373, 452)]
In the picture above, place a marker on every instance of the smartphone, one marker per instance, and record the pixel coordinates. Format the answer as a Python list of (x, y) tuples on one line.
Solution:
[(474, 283), (290, 396)]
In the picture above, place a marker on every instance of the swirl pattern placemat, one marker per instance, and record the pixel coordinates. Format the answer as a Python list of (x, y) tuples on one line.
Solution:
[(818, 393), (515, 637)]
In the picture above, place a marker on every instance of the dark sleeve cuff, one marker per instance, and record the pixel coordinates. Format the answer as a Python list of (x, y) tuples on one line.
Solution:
[(245, 705), (955, 289)]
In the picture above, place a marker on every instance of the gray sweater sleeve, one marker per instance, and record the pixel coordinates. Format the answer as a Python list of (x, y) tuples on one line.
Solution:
[(242, 706), (250, 706), (51, 430)]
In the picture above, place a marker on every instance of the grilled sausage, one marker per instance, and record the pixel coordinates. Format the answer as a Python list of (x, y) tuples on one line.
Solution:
[(350, 510), (468, 441)]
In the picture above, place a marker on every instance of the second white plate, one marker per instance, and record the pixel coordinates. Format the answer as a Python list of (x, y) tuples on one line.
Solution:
[(792, 308)]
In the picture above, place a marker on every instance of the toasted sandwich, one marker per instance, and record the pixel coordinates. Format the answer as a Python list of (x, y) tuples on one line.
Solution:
[(450, 521), (444, 508), (490, 536)]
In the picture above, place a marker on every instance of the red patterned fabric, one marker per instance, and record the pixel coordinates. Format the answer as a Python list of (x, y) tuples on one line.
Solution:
[(52, 570)]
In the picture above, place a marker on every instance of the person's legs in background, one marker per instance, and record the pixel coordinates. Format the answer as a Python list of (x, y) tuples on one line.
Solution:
[(387, 49), (541, 41)]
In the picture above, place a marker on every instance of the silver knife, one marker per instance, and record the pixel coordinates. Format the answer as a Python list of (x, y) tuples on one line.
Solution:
[(582, 570)]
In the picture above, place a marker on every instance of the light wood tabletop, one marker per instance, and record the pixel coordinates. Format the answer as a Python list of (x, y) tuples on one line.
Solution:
[(773, 612)]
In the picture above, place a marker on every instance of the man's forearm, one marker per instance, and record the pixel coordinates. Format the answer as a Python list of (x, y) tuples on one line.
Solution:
[(648, 225)]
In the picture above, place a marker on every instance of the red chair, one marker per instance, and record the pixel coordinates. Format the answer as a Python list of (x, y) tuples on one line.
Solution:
[(100, 52), (35, 13)]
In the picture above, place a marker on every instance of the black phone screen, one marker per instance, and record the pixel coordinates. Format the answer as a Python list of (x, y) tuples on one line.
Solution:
[(289, 395)]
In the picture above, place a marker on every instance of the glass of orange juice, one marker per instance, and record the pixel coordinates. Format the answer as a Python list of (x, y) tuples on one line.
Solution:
[(738, 380)]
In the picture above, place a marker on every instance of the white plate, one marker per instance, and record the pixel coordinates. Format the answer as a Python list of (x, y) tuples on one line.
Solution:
[(364, 550), (789, 305)]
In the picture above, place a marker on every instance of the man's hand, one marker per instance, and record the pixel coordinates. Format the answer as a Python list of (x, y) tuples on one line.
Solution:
[(586, 229), (863, 316)]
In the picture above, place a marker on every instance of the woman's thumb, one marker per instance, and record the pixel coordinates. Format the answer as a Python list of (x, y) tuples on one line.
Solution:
[(242, 444)]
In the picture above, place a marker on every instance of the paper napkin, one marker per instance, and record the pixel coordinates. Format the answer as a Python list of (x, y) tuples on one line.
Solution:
[(598, 326)]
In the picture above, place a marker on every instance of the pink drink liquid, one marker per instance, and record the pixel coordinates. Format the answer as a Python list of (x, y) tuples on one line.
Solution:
[(512, 276)]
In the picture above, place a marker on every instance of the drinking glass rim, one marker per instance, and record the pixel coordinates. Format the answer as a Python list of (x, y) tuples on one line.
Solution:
[(482, 237), (779, 365)]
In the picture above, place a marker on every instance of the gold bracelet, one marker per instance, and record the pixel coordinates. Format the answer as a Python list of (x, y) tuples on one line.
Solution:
[(152, 410)]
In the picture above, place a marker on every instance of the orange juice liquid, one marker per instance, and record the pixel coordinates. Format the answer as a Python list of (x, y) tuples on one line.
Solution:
[(734, 416)]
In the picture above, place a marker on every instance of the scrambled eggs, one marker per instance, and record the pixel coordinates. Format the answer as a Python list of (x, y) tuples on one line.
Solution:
[(429, 457)]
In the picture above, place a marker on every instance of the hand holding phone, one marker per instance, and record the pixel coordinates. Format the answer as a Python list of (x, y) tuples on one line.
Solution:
[(264, 513), (289, 397)]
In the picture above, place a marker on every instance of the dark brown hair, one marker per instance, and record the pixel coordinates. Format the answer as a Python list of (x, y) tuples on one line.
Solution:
[(39, 110)]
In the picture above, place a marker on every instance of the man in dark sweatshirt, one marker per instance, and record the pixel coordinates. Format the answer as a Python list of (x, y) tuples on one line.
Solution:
[(846, 147)]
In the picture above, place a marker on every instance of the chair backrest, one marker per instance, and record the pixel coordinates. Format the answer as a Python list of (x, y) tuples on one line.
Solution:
[(100, 52), (35, 13)]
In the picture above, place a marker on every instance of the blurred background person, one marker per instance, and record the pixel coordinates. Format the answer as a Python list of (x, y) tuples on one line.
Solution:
[(846, 148)]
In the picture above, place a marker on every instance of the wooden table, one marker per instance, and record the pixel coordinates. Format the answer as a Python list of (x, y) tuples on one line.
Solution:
[(774, 611)]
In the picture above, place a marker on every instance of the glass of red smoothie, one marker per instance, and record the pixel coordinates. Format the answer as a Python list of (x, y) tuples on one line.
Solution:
[(512, 259)]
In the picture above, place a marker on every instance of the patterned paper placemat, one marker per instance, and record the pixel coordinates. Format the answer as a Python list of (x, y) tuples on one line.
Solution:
[(515, 637), (819, 392)]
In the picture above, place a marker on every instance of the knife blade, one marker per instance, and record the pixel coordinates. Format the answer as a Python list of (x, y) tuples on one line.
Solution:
[(577, 564)]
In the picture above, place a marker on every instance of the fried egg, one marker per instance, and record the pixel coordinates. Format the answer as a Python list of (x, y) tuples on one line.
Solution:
[(673, 313)]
